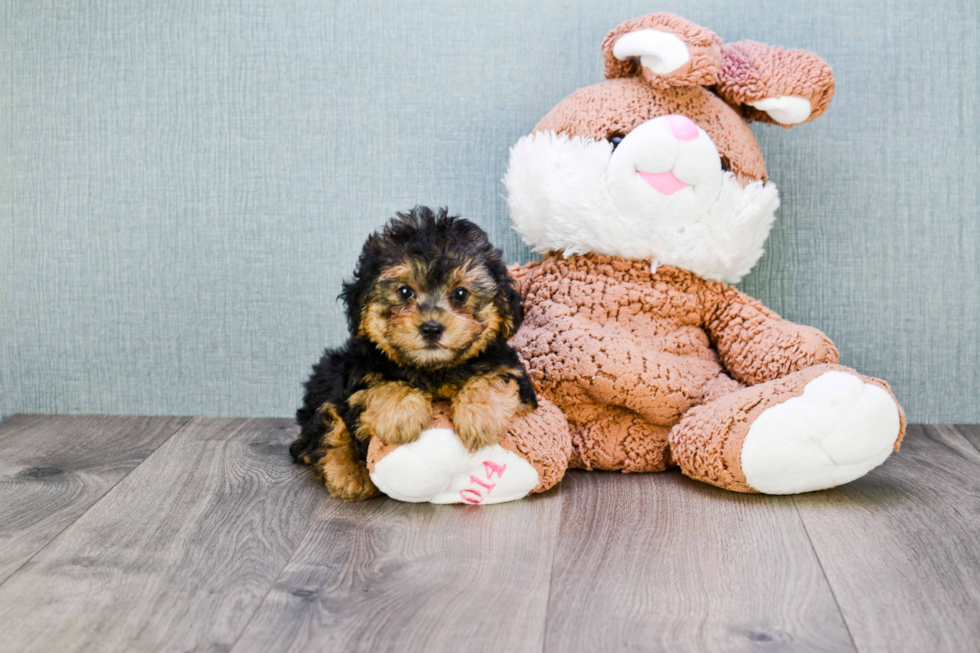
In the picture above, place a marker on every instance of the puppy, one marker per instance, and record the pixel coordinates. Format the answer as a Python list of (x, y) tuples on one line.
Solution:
[(429, 310)]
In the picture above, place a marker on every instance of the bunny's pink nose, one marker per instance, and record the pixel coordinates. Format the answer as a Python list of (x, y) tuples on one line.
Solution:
[(682, 127)]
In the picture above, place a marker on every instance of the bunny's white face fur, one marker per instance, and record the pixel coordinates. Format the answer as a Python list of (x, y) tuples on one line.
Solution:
[(676, 103), (655, 196)]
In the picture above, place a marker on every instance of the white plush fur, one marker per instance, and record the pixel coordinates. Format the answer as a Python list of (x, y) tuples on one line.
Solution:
[(437, 468), (838, 430), (577, 195), (785, 109), (661, 52)]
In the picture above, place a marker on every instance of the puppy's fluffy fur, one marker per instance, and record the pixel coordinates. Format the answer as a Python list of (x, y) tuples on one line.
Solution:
[(429, 310)]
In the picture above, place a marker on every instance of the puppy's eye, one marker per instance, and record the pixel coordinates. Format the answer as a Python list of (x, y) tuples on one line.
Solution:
[(616, 140), (459, 295), (405, 293)]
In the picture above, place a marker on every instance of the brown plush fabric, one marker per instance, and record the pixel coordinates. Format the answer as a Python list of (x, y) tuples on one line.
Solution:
[(541, 437), (707, 443), (754, 71), (618, 106), (703, 46), (654, 369), (756, 345), (626, 353), (612, 438)]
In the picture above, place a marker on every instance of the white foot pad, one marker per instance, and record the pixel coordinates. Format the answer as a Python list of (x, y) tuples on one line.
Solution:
[(437, 468), (838, 430)]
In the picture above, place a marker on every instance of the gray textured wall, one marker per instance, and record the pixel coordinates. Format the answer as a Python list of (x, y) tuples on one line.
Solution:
[(183, 186)]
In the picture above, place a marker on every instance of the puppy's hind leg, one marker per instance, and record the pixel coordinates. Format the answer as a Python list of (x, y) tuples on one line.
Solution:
[(339, 468), (307, 448)]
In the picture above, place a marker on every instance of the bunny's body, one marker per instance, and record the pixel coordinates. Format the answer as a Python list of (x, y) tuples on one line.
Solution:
[(647, 195)]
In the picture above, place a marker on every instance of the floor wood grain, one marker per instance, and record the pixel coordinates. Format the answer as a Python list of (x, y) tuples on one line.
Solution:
[(971, 432), (160, 534), (661, 563), (177, 556), (387, 576), (54, 468), (901, 546)]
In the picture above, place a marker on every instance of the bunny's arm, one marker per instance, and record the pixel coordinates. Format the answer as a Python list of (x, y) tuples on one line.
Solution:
[(755, 344)]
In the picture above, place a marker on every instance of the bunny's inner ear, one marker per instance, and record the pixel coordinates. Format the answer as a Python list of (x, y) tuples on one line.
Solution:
[(661, 52), (665, 50), (768, 84), (785, 109)]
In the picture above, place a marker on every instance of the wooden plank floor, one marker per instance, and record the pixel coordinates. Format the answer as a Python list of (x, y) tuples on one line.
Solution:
[(176, 534)]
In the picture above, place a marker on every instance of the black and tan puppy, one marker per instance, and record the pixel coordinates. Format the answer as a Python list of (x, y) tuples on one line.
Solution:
[(430, 309)]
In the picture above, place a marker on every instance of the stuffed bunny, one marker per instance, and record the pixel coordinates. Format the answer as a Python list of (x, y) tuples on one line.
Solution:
[(647, 194)]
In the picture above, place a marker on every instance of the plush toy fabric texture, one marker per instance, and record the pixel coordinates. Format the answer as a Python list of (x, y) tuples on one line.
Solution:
[(646, 193), (754, 73), (654, 369), (437, 468), (617, 107), (699, 67), (557, 190)]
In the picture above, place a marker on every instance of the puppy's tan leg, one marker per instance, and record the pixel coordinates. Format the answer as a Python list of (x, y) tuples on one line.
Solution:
[(393, 411), (345, 477), (484, 408)]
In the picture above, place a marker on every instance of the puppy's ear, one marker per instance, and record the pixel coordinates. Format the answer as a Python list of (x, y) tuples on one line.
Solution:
[(514, 309), (356, 290), (353, 296), (509, 302), (769, 84)]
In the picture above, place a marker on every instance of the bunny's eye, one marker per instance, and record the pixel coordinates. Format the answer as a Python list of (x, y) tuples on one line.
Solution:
[(405, 293)]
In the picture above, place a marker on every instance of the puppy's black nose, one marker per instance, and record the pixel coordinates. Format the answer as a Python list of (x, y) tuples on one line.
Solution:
[(431, 330)]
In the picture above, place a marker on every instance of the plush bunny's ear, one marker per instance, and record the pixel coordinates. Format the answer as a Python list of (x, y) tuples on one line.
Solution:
[(664, 49), (768, 84)]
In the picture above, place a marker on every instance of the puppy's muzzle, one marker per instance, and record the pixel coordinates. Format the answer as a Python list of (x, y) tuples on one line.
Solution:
[(432, 331)]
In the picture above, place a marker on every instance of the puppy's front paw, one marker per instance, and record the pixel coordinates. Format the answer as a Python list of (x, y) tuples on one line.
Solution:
[(394, 412), (481, 425), (483, 410), (402, 424)]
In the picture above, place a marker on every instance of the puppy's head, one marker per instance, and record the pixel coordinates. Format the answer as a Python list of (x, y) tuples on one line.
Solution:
[(430, 291)]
